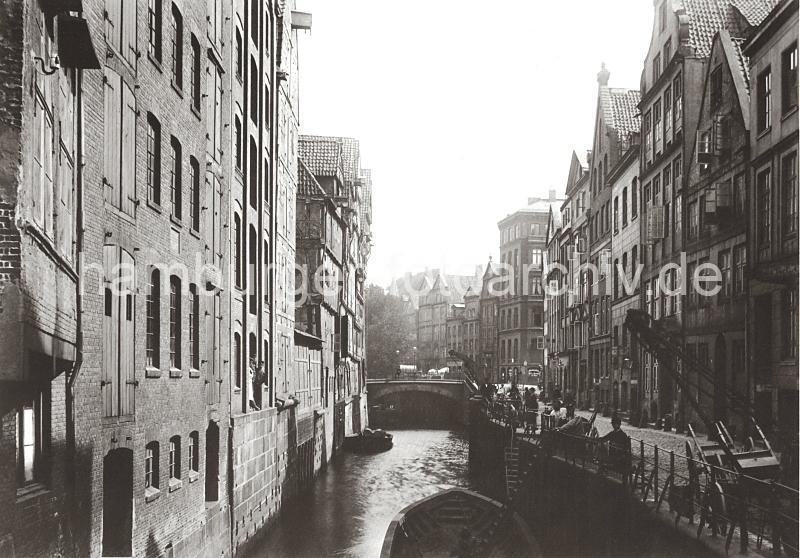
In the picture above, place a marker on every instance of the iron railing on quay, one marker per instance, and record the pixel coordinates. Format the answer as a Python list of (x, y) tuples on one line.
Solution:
[(761, 514)]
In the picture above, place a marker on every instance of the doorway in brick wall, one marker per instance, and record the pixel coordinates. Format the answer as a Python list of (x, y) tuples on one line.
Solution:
[(118, 502)]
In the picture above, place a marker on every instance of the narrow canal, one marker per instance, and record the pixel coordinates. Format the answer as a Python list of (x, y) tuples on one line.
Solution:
[(353, 502)]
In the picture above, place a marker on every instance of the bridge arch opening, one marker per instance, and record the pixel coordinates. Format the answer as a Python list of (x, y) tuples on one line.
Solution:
[(416, 409)]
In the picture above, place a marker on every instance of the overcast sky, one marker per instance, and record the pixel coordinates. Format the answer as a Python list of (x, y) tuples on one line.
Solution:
[(463, 108)]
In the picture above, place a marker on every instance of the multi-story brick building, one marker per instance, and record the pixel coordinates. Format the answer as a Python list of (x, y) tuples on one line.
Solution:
[(520, 308), (625, 245), (471, 328), (487, 304), (572, 358), (772, 311), (432, 326), (616, 121), (553, 329), (671, 88), (334, 163), (43, 169), (716, 232), (455, 337)]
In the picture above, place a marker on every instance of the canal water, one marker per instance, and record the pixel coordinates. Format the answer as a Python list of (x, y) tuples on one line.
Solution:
[(354, 500)]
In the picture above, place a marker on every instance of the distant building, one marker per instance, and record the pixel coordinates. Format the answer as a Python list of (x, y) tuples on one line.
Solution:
[(487, 304), (520, 309), (455, 340)]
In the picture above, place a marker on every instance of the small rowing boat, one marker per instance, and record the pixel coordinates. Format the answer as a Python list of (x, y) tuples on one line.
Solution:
[(457, 522)]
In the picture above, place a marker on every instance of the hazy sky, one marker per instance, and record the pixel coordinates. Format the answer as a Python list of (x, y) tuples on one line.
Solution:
[(464, 109)]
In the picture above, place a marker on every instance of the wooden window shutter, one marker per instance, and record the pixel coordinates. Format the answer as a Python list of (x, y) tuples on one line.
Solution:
[(111, 146), (114, 22), (128, 164), (128, 46), (126, 313), (109, 377)]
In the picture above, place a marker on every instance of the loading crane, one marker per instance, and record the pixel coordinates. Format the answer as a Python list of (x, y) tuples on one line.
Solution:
[(469, 369), (657, 337)]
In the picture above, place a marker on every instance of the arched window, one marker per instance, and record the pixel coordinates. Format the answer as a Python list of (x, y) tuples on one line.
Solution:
[(175, 360), (174, 459), (253, 172), (251, 269), (194, 327), (153, 159), (154, 29), (151, 476), (176, 178), (194, 452), (236, 355), (177, 47), (196, 73), (153, 351), (237, 250), (194, 195)]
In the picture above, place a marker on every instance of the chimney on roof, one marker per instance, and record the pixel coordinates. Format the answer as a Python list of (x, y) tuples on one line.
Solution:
[(552, 194), (603, 75)]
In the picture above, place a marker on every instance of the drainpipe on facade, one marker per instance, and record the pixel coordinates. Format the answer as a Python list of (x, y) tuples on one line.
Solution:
[(77, 365)]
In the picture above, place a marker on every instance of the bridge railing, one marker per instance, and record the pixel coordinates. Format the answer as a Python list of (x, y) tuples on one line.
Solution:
[(758, 513)]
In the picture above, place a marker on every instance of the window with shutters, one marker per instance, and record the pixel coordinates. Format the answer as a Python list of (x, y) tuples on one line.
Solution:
[(214, 123), (118, 379), (694, 220), (176, 178), (177, 47), (153, 350), (194, 328), (739, 196), (194, 194), (251, 269), (175, 325), (658, 130), (648, 136), (42, 161), (154, 29), (120, 24), (214, 18), (65, 218), (197, 71), (153, 159), (119, 147)]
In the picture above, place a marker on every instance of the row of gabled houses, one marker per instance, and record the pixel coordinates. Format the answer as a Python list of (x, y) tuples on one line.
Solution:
[(166, 382), (698, 165)]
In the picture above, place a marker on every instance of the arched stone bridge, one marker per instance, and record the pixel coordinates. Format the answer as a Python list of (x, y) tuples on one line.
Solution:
[(417, 401)]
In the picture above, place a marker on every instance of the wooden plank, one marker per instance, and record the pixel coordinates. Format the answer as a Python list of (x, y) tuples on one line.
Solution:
[(127, 310), (110, 347), (111, 138), (128, 46), (128, 153)]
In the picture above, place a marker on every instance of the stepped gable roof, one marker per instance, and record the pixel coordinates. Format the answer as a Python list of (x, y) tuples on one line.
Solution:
[(307, 185)]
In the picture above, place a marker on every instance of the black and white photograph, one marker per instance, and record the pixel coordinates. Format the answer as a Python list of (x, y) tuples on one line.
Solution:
[(383, 279)]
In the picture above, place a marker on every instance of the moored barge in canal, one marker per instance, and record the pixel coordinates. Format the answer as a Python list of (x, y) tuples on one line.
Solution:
[(457, 522)]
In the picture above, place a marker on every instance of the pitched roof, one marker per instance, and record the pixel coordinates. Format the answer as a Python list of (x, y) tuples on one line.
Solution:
[(706, 17), (742, 61), (322, 155), (307, 185), (350, 159), (621, 112)]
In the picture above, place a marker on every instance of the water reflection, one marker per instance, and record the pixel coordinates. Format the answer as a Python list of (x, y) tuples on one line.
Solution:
[(353, 503)]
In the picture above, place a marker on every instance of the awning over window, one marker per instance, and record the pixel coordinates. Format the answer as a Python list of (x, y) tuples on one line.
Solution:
[(75, 49)]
